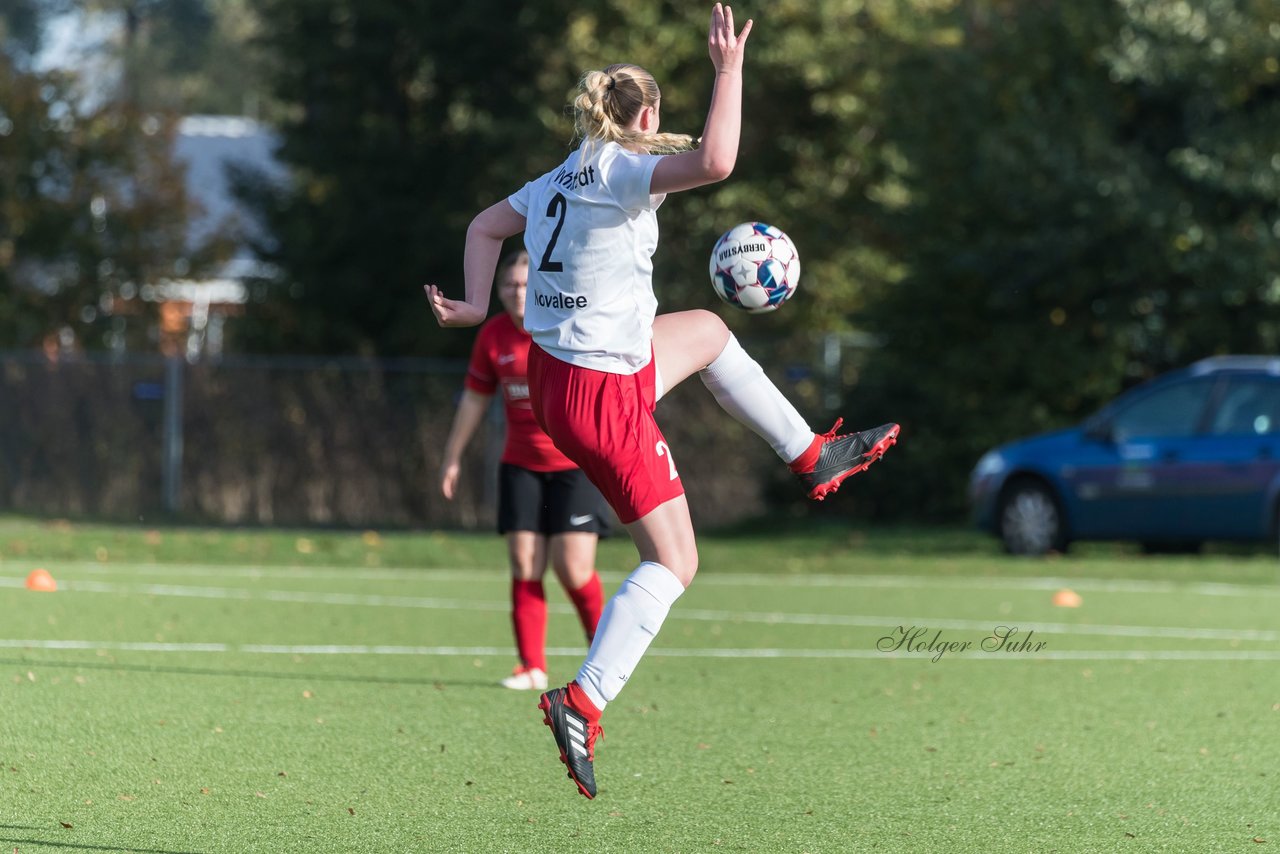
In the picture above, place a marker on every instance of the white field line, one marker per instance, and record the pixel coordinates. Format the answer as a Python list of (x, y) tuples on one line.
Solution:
[(457, 651), (709, 615), (706, 578)]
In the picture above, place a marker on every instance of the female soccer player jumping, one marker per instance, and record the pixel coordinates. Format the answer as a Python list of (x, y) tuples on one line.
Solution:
[(601, 359)]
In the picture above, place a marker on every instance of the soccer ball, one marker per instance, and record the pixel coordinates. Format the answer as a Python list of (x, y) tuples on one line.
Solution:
[(755, 267)]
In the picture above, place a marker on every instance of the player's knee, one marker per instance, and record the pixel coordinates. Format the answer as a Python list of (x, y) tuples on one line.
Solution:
[(683, 564), (712, 330), (574, 573), (524, 567)]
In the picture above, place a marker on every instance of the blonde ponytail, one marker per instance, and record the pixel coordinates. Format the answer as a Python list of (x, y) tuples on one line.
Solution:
[(609, 100)]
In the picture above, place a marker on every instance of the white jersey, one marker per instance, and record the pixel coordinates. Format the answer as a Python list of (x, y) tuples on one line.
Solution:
[(591, 230)]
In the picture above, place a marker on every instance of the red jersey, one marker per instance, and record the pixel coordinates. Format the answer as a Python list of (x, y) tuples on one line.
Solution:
[(501, 356)]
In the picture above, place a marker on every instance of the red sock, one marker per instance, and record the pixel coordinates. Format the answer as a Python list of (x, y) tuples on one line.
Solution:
[(806, 461), (589, 600), (529, 618), (578, 700)]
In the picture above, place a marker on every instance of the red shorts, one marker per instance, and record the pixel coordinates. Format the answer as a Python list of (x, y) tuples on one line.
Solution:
[(604, 423)]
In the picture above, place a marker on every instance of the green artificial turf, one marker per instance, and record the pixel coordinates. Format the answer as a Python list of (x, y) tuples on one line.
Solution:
[(236, 691)]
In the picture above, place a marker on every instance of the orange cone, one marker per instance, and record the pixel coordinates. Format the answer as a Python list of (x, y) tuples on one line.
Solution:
[(1065, 598), (41, 580)]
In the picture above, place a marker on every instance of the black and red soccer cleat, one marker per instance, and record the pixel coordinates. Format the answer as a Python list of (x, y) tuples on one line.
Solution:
[(575, 735), (832, 458)]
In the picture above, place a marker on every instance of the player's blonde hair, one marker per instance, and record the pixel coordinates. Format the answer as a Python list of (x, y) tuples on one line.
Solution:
[(609, 100)]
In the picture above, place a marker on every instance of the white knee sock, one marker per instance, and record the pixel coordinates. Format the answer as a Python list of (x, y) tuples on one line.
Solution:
[(741, 388), (628, 624)]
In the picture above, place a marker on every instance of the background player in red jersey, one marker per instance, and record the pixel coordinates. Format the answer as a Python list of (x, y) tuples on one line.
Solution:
[(546, 506)]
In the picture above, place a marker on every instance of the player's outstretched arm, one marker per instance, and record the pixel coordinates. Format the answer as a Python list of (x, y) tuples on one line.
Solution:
[(479, 262), (714, 158)]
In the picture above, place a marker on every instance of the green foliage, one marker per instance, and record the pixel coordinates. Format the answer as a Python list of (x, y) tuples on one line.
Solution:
[(186, 56), (399, 125), (91, 207), (1083, 196), (1032, 204), (20, 23), (402, 130)]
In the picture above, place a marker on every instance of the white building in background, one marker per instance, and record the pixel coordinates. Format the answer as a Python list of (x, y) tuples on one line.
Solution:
[(194, 311)]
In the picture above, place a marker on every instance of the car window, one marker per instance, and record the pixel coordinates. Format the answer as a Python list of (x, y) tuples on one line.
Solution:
[(1174, 410), (1251, 405)]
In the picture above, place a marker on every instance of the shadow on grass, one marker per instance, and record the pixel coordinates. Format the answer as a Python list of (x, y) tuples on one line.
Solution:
[(821, 535), (78, 846), (255, 674)]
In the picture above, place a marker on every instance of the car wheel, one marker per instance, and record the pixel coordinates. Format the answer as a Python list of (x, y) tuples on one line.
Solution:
[(1275, 530), (1030, 521)]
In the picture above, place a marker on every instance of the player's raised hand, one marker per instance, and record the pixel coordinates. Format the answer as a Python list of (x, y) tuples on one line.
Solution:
[(726, 48), (450, 312)]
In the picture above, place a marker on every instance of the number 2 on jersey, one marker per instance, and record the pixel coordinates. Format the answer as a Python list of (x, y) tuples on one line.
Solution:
[(559, 207)]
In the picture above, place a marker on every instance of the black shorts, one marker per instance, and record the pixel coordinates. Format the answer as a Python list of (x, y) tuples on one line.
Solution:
[(549, 502)]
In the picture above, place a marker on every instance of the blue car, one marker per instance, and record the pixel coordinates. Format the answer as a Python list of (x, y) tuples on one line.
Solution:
[(1190, 456)]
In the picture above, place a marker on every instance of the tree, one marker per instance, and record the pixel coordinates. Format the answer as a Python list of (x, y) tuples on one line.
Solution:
[(92, 207), (1082, 200), (401, 125)]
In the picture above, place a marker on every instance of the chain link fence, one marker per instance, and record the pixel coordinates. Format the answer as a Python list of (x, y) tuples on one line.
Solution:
[(296, 442)]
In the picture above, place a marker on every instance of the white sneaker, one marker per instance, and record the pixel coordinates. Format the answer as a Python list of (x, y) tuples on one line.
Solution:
[(526, 679)]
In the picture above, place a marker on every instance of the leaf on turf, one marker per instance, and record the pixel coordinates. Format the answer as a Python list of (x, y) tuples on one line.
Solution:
[(351, 811), (64, 824), (259, 795), (204, 791), (1130, 835), (282, 774), (1259, 840), (702, 746)]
